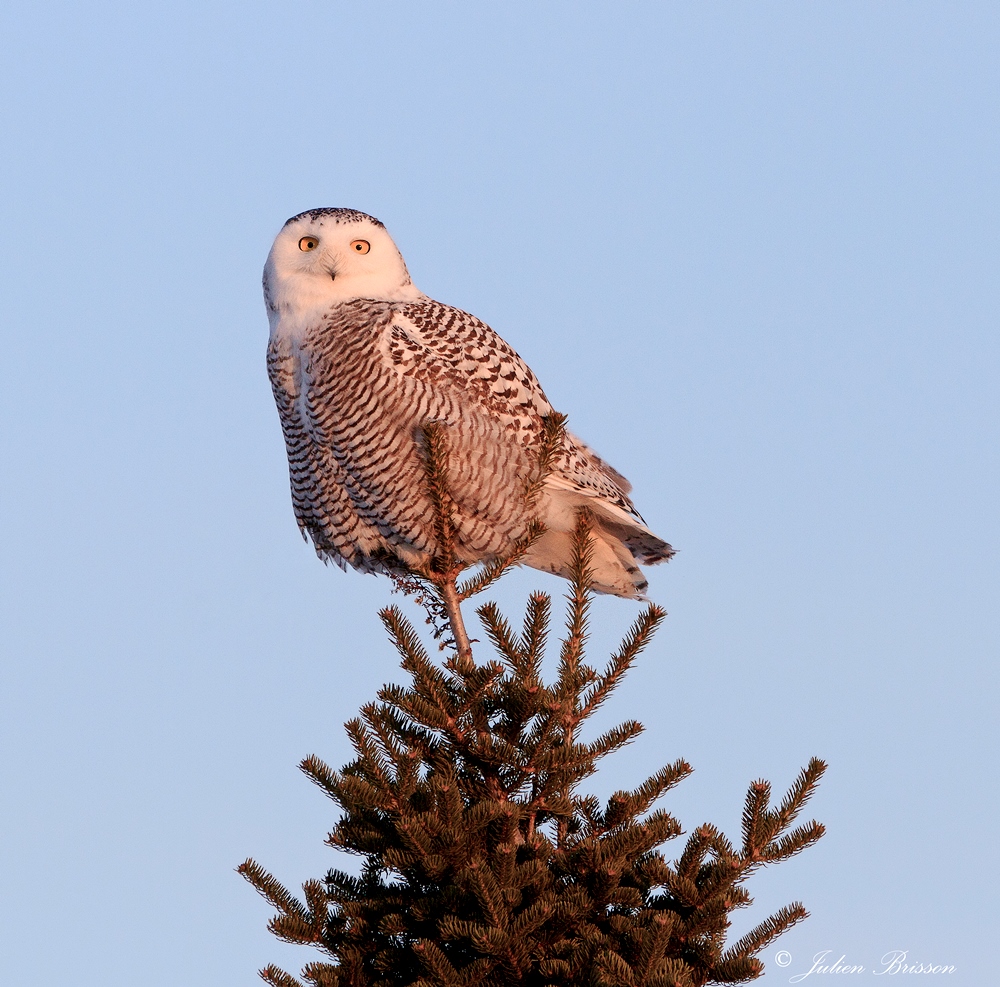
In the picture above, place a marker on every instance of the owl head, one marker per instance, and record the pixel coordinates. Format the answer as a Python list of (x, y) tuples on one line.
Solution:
[(327, 256)]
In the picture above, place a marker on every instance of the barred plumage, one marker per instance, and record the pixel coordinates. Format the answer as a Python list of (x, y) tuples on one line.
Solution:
[(360, 361)]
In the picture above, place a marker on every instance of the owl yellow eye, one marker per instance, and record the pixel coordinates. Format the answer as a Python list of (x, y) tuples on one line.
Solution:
[(308, 243), (361, 246)]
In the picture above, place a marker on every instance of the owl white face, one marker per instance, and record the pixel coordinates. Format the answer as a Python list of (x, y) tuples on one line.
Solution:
[(325, 257)]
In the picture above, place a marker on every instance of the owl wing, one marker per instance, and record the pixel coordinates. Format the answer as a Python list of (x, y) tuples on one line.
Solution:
[(449, 348), (454, 352)]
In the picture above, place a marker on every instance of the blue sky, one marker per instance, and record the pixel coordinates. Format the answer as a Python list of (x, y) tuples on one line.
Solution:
[(749, 249)]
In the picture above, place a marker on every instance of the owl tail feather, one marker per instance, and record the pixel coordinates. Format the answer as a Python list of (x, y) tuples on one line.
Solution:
[(619, 539), (615, 557)]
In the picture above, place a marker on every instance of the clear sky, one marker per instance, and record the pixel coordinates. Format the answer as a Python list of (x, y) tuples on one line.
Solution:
[(749, 248)]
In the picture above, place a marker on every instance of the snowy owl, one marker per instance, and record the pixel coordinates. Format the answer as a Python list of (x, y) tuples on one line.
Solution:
[(361, 360)]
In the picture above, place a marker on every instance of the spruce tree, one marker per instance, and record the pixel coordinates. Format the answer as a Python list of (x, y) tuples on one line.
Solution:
[(483, 862)]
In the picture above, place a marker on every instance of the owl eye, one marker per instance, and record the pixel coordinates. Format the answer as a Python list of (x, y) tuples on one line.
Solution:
[(308, 243), (361, 246)]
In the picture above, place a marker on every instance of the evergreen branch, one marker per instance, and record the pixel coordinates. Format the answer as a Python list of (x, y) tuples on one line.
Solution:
[(372, 762), (442, 973), (436, 474), (704, 928), (755, 815), (698, 845), (721, 847), (488, 893), (443, 569), (531, 919), (499, 632), (636, 639), (661, 826), (417, 738), (316, 902), (341, 885), (614, 739), (453, 606), (354, 794), (483, 813), (494, 569), (535, 633), (631, 841), (429, 681), (684, 889), (801, 791), (414, 838), (552, 441), (493, 942), (477, 971), (272, 890), (761, 827), (278, 978), (659, 784), (655, 941), (614, 970), (295, 930), (674, 973), (429, 714), (739, 897), (418, 714), (404, 637), (590, 809), (795, 842), (763, 935), (321, 974), (737, 971), (386, 729), (451, 928), (581, 560), (716, 879)]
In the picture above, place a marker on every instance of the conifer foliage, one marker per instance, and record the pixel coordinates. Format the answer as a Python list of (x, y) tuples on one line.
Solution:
[(483, 863)]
